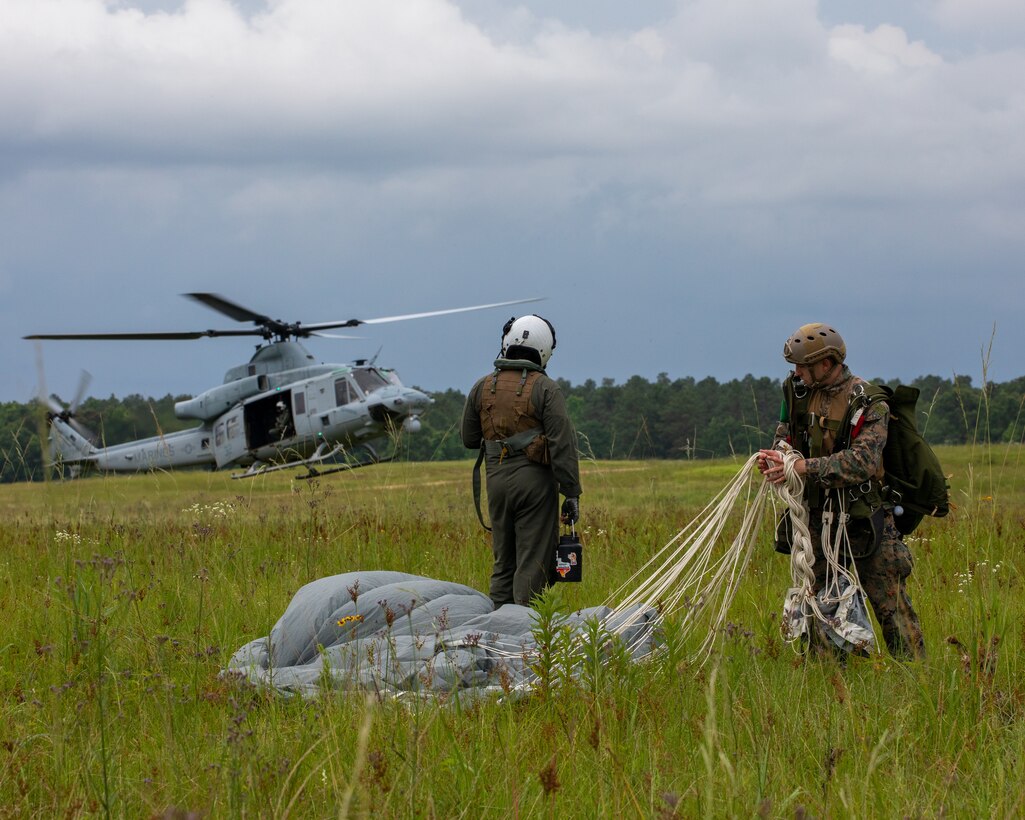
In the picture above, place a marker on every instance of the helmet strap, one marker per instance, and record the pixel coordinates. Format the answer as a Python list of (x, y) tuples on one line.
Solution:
[(827, 378)]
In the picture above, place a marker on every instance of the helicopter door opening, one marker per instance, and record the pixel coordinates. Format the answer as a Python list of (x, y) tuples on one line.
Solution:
[(269, 419)]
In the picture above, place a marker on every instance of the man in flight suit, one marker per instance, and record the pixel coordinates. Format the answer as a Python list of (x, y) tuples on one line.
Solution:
[(517, 415)]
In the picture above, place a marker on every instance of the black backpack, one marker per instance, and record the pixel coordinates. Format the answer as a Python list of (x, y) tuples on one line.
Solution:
[(914, 482)]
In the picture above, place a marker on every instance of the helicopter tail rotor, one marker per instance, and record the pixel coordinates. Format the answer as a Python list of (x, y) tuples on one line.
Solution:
[(55, 409)]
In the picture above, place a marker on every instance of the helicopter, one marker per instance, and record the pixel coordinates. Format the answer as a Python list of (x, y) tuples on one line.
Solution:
[(279, 410)]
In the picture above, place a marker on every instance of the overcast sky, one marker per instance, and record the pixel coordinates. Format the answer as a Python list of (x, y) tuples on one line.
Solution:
[(685, 182)]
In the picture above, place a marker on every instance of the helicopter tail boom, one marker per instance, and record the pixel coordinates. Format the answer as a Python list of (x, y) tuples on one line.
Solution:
[(69, 447)]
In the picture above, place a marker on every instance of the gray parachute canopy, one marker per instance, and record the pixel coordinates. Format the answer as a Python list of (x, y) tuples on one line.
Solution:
[(395, 633)]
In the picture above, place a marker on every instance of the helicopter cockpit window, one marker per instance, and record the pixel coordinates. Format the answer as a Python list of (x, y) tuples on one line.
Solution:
[(344, 392), (369, 379)]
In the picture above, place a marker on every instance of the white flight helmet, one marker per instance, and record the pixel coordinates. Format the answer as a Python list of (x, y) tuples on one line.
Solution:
[(530, 331)]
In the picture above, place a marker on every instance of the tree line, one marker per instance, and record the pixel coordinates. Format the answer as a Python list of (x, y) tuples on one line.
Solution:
[(665, 418)]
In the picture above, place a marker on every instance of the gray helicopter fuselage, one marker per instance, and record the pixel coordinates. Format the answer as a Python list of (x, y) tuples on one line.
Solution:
[(285, 416), (346, 406), (279, 408)]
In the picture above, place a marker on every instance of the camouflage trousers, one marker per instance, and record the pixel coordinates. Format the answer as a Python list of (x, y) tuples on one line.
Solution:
[(883, 576)]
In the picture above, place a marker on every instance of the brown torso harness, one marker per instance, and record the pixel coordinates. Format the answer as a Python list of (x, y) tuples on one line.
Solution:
[(822, 422), (509, 423)]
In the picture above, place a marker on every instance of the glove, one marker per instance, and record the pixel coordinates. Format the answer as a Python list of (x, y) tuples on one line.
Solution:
[(571, 511)]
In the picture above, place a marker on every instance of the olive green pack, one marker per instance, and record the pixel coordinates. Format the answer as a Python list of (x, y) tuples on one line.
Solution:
[(914, 482)]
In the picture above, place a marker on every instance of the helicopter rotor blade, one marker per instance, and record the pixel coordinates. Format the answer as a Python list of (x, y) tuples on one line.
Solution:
[(229, 308), (83, 385), (56, 408), (41, 395), (265, 326), (211, 300), (335, 336), (270, 327), (53, 404), (382, 319), (147, 335)]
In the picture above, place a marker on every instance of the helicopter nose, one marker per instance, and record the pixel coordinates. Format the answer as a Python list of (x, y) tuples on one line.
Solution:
[(405, 402), (416, 400)]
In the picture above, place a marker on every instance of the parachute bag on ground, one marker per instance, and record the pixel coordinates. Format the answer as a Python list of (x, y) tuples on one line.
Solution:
[(916, 480)]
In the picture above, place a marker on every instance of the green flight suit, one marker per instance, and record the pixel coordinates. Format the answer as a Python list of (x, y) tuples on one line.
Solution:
[(523, 485)]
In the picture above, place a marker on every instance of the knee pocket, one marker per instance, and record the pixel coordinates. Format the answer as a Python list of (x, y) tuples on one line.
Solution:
[(897, 558)]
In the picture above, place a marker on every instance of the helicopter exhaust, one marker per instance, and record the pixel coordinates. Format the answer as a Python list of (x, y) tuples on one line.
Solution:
[(209, 405)]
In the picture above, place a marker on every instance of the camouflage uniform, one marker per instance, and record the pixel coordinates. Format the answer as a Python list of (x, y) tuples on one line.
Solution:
[(883, 573), (523, 487)]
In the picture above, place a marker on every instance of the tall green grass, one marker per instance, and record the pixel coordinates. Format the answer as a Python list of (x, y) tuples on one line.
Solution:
[(124, 597)]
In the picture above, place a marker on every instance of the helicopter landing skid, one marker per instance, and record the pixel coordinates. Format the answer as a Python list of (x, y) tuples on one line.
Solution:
[(315, 473), (318, 457)]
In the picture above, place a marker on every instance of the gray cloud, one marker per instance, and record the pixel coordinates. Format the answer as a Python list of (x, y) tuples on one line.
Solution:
[(663, 174)]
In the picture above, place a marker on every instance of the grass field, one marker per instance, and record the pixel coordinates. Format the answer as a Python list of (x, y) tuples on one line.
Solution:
[(124, 597)]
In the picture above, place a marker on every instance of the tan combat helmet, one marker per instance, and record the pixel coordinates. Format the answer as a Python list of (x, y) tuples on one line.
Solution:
[(813, 343)]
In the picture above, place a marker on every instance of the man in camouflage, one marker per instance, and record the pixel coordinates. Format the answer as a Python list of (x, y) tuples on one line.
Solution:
[(517, 416), (825, 386)]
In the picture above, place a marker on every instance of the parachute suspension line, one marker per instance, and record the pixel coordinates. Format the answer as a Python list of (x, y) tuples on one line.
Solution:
[(693, 573)]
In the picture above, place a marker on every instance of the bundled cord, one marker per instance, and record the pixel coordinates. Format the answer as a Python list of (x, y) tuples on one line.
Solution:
[(837, 609)]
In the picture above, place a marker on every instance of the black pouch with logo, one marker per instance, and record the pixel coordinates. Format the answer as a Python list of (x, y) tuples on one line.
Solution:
[(569, 558)]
